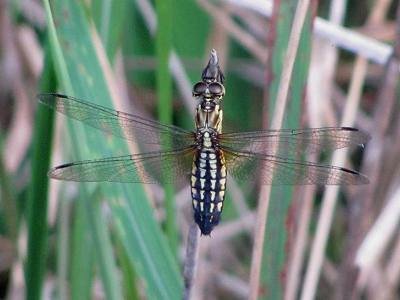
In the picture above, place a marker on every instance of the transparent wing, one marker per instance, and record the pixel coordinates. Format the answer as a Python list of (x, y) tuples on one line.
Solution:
[(131, 127), (152, 167), (275, 170), (292, 143)]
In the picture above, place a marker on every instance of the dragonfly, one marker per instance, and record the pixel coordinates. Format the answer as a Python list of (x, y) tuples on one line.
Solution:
[(205, 156)]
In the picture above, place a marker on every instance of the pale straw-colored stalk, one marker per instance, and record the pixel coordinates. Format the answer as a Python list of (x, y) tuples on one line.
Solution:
[(339, 158), (331, 192), (338, 36)]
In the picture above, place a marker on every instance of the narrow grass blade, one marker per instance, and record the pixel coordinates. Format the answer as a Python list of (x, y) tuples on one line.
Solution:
[(110, 19), (37, 200), (82, 259), (145, 245), (279, 217), (164, 90)]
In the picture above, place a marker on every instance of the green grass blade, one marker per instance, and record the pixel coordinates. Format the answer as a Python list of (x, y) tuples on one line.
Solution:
[(135, 225), (128, 273), (63, 249), (159, 268), (105, 21), (37, 199), (102, 247), (82, 259), (279, 217), (164, 90), (101, 238), (110, 19)]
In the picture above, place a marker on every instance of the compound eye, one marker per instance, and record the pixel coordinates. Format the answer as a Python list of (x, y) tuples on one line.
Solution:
[(199, 88), (216, 88)]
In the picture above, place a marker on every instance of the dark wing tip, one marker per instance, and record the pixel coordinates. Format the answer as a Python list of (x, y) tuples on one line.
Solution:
[(41, 96), (358, 177), (364, 136), (349, 128), (63, 166), (49, 98), (56, 172)]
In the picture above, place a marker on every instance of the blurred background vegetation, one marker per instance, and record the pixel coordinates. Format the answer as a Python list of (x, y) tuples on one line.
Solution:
[(112, 241)]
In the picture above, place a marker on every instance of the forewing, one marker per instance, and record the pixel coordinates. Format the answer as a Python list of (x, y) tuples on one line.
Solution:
[(153, 167), (292, 143), (131, 127), (268, 169)]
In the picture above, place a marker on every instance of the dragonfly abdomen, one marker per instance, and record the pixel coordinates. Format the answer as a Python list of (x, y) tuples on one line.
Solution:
[(208, 183)]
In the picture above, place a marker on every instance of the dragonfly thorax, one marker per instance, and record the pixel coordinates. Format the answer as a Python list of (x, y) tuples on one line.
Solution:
[(209, 118)]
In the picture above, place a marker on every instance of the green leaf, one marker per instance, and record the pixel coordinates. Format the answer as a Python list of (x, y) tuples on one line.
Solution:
[(82, 259), (164, 91), (131, 213), (37, 199), (279, 218)]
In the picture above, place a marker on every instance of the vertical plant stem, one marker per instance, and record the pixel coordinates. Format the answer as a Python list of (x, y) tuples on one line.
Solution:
[(331, 192), (97, 224), (105, 21), (82, 258), (38, 200), (336, 16), (262, 210), (164, 89), (8, 199), (129, 276), (63, 249), (181, 78), (363, 208), (192, 251)]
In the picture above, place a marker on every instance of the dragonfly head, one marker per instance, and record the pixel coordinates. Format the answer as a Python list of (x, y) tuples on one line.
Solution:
[(210, 89)]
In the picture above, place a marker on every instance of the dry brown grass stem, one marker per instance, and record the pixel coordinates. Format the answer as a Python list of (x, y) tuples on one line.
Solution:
[(331, 192), (30, 50), (236, 32), (338, 36), (392, 270), (376, 242), (228, 230), (339, 158), (20, 131), (233, 284)]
